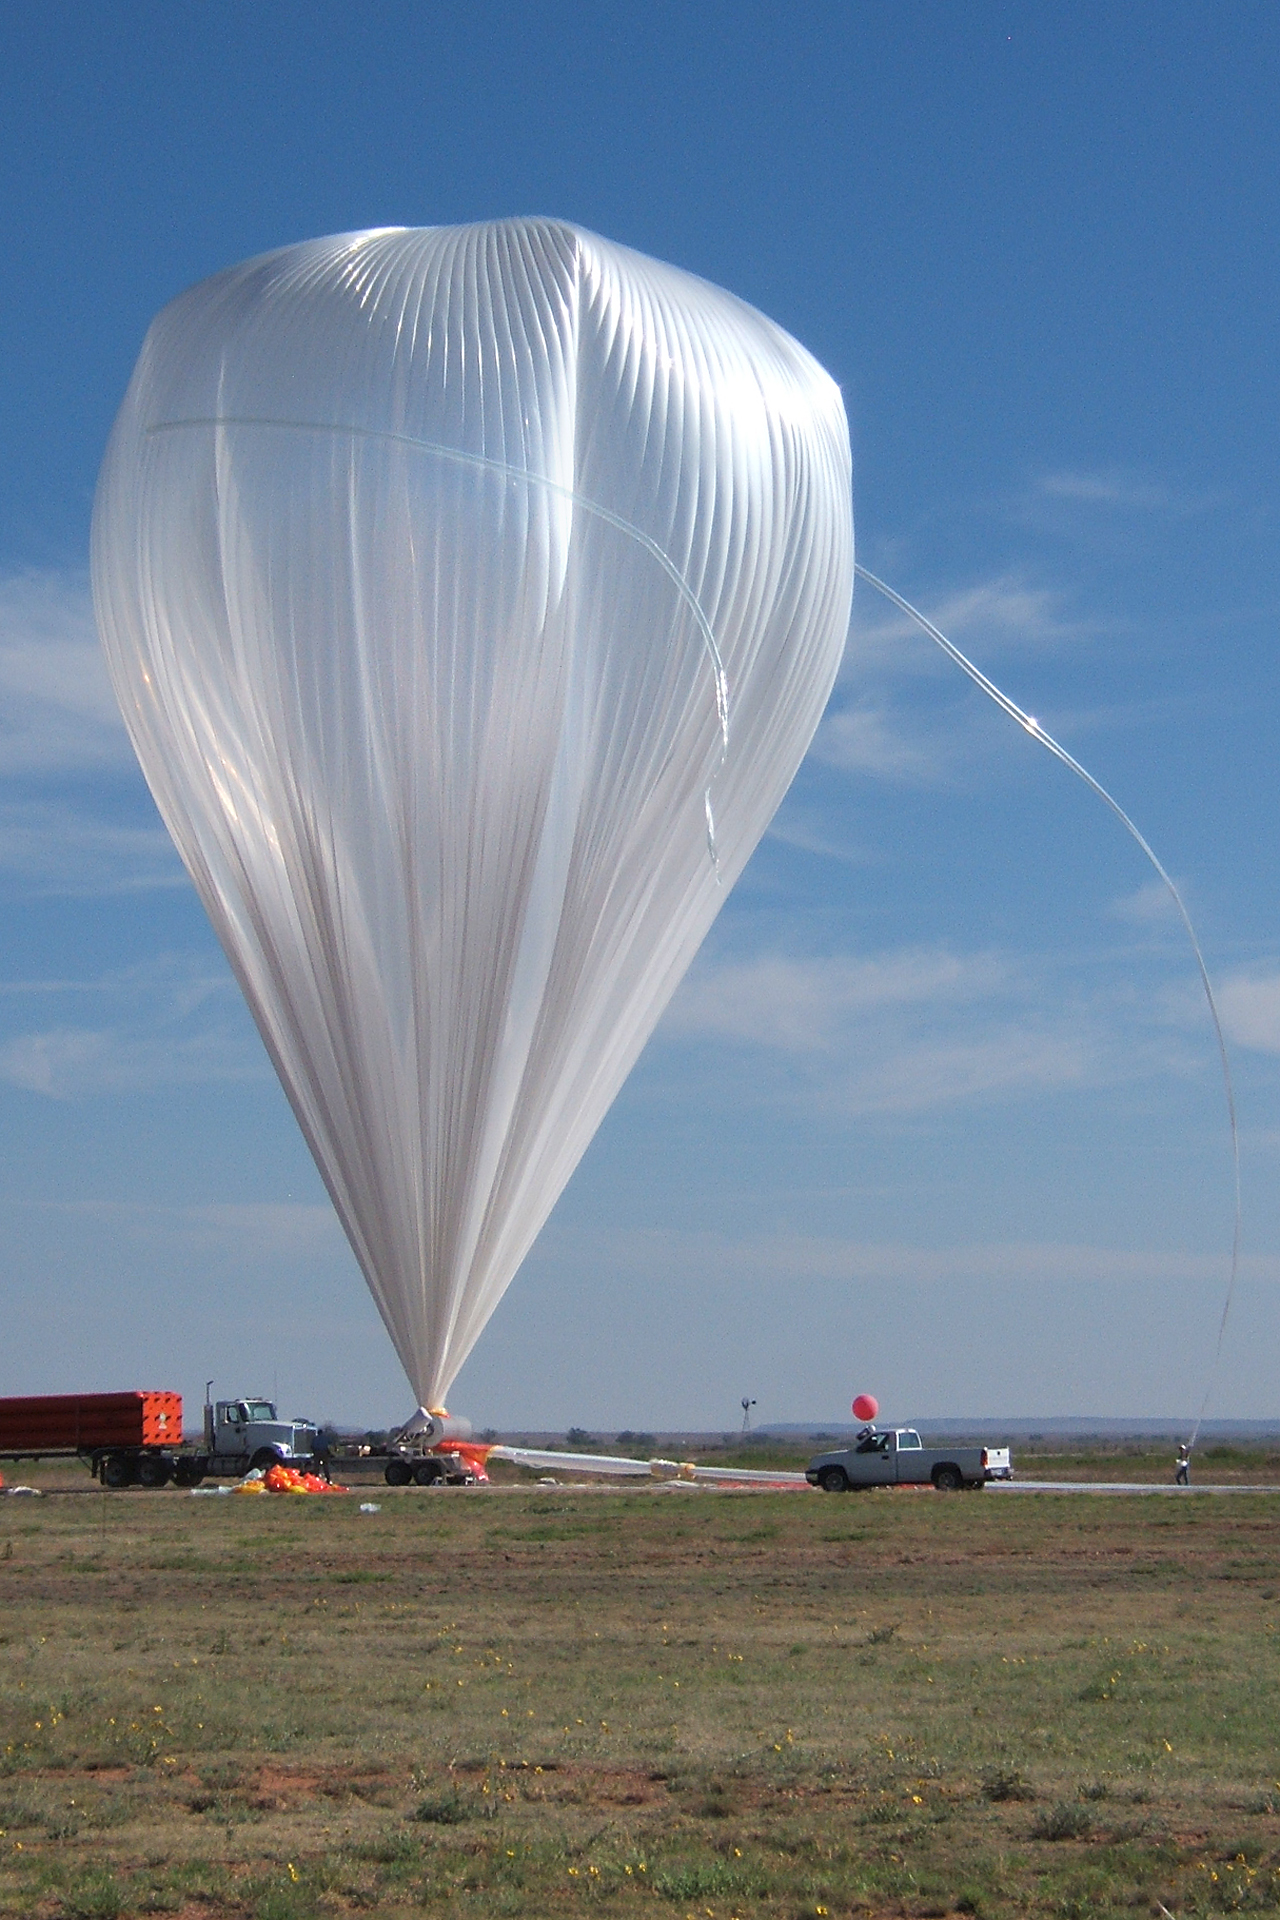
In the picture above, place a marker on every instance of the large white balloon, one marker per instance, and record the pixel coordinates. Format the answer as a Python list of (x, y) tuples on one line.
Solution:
[(450, 581)]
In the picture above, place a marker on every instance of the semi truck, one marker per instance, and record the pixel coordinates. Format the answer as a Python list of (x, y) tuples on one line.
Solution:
[(128, 1439), (897, 1457)]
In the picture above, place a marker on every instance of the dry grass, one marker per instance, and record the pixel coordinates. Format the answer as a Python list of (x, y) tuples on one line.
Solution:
[(552, 1701)]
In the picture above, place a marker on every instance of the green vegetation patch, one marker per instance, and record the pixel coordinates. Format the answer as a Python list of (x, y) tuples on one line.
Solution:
[(601, 1703)]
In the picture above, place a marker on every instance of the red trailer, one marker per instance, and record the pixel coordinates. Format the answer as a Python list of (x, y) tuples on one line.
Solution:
[(121, 1436), (85, 1422)]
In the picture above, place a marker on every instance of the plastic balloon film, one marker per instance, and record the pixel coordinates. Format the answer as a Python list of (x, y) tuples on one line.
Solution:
[(455, 584)]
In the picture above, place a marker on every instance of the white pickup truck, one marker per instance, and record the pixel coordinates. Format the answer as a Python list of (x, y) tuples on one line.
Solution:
[(897, 1457)]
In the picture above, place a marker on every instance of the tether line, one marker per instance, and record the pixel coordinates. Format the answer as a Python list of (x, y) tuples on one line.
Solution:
[(1059, 752)]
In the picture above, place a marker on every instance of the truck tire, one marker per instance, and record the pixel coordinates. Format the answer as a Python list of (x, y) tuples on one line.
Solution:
[(153, 1471), (264, 1459), (398, 1474), (187, 1473), (117, 1470), (948, 1479), (833, 1480), (427, 1473)]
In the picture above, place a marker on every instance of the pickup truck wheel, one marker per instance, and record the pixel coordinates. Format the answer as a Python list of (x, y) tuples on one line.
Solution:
[(264, 1459), (948, 1479), (117, 1470), (398, 1474), (426, 1473), (153, 1472), (833, 1480)]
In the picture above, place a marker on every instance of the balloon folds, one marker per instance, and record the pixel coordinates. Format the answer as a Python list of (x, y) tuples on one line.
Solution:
[(459, 587)]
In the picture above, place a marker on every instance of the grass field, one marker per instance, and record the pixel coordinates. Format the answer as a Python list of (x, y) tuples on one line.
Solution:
[(530, 1700)]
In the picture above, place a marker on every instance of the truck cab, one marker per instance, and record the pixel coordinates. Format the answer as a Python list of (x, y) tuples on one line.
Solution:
[(240, 1435), (876, 1456)]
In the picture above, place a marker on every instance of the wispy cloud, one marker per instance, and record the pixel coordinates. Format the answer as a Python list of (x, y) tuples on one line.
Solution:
[(74, 816), (176, 1020), (809, 831), (1124, 491), (1250, 1004), (277, 1229), (77, 1063), (795, 1258), (877, 729), (1008, 1061), (868, 739), (1001, 613), (921, 1030), (800, 1004), (1148, 906), (58, 715), (65, 848)]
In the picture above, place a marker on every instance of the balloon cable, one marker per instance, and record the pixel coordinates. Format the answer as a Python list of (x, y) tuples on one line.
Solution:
[(1059, 752)]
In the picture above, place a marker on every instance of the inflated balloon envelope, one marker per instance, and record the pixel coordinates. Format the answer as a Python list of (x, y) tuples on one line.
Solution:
[(471, 596)]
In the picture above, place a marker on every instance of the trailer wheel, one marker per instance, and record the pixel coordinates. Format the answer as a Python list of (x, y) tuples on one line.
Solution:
[(187, 1473), (948, 1479), (398, 1474), (427, 1473), (117, 1470), (153, 1471), (833, 1480)]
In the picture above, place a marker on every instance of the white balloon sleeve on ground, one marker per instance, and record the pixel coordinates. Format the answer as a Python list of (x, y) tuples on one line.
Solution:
[(610, 1466), (453, 583)]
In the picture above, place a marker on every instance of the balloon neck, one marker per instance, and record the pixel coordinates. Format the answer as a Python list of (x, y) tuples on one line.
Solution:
[(433, 1424)]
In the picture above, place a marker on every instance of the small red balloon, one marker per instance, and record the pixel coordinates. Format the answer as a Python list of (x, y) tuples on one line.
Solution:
[(866, 1407)]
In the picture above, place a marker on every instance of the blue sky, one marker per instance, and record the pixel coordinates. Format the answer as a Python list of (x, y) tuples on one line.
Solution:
[(937, 1112)]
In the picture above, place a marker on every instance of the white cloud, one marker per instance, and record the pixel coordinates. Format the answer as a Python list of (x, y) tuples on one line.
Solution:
[(1250, 1006), (233, 1233), (809, 831), (1011, 1060), (1149, 905), (886, 734), (1125, 491), (1002, 612), (864, 739), (177, 1020), (919, 1030), (776, 1001), (57, 711), (76, 1063), (49, 847), (59, 723), (792, 1259)]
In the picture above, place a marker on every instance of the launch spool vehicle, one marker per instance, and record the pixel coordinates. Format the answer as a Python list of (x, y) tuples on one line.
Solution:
[(436, 1450)]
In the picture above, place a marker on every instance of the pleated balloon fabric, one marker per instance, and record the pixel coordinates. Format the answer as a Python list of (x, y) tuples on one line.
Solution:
[(471, 596)]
